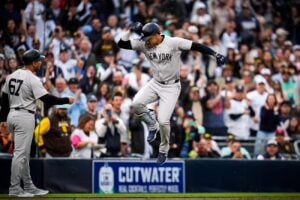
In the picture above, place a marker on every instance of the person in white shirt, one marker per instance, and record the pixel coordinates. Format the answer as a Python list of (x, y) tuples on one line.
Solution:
[(257, 100), (84, 137), (238, 113)]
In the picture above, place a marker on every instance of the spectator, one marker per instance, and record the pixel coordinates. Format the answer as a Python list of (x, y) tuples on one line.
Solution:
[(53, 133), (105, 45), (288, 84), (236, 153), (83, 11), (203, 150), (190, 132), (103, 95), (84, 138), (226, 151), (79, 107), (257, 100), (213, 104), (284, 114), (269, 120), (52, 71), (92, 105), (6, 140), (271, 152), (112, 131), (86, 54), (66, 64), (285, 147), (293, 128), (239, 114), (89, 82), (95, 34), (200, 17), (194, 104)]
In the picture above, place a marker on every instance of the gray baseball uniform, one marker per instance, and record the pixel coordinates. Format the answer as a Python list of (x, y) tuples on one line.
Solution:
[(23, 88), (165, 85)]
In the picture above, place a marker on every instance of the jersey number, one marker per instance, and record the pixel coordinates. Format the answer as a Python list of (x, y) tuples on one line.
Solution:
[(14, 86)]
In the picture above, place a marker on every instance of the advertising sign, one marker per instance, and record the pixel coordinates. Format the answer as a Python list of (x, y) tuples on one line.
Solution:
[(118, 176)]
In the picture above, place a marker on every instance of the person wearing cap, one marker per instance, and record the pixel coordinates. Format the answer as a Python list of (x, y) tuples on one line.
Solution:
[(79, 107), (92, 105), (52, 134), (269, 120), (285, 147), (19, 95), (67, 64), (229, 87), (238, 114), (257, 99), (108, 66), (105, 44), (271, 151), (163, 53)]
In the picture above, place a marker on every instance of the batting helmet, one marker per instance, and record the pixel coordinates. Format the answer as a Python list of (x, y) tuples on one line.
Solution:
[(31, 56), (148, 30)]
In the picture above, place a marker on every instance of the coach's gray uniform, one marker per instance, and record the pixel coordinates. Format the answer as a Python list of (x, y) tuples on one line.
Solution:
[(165, 85), (23, 88)]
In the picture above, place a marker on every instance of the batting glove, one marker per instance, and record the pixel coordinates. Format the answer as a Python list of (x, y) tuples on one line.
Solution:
[(221, 60), (136, 27)]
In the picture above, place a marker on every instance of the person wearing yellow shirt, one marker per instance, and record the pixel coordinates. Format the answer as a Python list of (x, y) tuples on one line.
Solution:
[(52, 135)]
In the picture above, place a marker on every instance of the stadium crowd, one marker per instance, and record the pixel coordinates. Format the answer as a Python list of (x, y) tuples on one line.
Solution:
[(255, 95)]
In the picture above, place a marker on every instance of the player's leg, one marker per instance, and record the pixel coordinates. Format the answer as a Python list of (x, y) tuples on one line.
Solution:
[(145, 96), (19, 162), (168, 97)]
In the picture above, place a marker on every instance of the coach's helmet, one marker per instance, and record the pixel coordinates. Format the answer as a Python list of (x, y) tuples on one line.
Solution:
[(148, 30), (31, 56)]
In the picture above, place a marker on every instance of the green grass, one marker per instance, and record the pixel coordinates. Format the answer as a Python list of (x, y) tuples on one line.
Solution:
[(181, 195)]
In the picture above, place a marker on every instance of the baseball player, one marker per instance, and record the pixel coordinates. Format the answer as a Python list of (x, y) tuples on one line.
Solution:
[(19, 94), (163, 53)]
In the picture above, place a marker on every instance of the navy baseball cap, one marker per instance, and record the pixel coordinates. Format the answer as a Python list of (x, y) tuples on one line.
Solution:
[(31, 56)]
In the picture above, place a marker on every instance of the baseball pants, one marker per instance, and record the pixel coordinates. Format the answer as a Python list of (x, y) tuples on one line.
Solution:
[(167, 96), (21, 124)]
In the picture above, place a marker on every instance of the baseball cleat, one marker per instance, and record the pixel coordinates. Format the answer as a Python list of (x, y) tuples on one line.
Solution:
[(37, 191), (21, 193), (161, 158), (152, 135)]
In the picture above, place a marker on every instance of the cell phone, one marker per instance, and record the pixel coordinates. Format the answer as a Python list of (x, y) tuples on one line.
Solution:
[(108, 112)]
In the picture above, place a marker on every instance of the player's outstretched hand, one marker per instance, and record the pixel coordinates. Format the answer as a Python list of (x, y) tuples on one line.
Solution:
[(136, 27), (71, 100), (221, 60)]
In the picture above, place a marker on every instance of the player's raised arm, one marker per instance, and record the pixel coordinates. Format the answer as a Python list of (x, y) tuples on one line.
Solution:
[(53, 100), (124, 42), (221, 60)]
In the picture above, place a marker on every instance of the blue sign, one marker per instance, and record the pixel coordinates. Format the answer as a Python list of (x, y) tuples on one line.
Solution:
[(122, 176)]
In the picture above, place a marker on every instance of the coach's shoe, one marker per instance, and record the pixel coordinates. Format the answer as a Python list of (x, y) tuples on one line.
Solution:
[(37, 191), (152, 135), (20, 193), (161, 158)]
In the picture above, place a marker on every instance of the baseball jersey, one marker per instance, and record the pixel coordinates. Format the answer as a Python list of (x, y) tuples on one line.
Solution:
[(23, 88), (165, 57)]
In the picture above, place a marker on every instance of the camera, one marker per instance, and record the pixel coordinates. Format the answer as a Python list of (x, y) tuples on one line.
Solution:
[(109, 113)]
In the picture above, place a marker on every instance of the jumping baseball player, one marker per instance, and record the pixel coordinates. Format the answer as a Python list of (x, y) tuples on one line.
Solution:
[(19, 94), (163, 53)]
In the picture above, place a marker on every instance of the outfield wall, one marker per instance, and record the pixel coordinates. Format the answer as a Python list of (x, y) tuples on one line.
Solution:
[(74, 175)]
